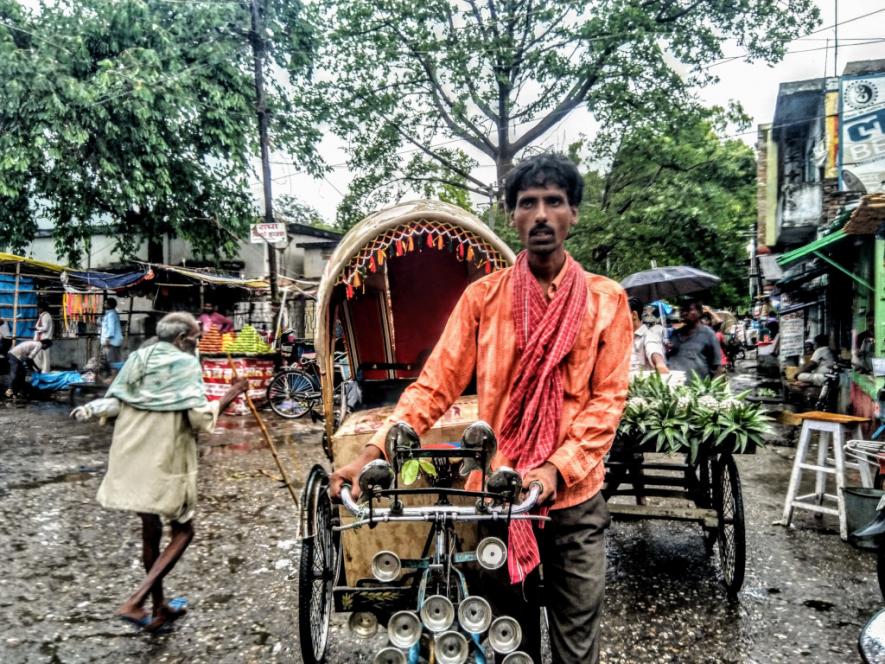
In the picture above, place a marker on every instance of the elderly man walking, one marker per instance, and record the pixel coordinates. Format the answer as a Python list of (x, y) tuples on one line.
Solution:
[(160, 403)]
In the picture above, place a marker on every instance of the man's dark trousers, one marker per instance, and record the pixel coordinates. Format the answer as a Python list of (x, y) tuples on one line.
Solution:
[(572, 548)]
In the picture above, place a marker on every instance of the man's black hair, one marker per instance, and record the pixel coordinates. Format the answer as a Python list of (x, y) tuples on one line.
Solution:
[(697, 304), (111, 302), (46, 343), (543, 170), (635, 305), (822, 340)]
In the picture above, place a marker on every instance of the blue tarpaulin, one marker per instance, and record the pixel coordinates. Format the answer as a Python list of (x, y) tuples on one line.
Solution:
[(105, 280), (55, 380), (27, 304)]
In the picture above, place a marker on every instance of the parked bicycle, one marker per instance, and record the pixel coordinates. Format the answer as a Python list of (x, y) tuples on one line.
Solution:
[(295, 390)]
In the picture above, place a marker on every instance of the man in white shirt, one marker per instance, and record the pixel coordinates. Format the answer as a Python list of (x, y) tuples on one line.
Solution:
[(19, 359), (43, 330), (648, 348), (822, 360)]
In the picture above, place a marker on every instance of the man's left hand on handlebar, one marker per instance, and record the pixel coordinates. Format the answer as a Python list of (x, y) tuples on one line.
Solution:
[(349, 473), (548, 476)]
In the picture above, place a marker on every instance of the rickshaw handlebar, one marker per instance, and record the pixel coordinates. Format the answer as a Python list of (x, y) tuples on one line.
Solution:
[(456, 512)]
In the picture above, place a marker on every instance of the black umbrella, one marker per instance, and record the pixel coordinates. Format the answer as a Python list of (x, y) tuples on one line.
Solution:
[(663, 282)]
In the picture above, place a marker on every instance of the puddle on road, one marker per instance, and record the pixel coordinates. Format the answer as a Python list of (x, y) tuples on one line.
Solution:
[(80, 475), (240, 434)]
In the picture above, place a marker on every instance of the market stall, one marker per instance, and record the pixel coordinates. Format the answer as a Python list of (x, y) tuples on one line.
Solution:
[(244, 353)]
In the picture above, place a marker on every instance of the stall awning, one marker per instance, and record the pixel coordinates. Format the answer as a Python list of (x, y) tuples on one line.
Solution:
[(815, 249), (105, 280), (12, 259), (215, 279), (810, 249)]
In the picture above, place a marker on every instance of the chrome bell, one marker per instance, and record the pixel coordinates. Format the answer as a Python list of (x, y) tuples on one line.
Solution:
[(505, 635), (491, 553), (404, 629), (451, 648), (474, 614), (389, 655), (505, 481), (478, 437), (386, 566), (401, 435), (518, 657), (363, 624), (437, 614), (376, 475)]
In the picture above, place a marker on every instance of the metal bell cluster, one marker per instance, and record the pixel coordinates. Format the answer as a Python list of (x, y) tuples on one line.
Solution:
[(438, 617)]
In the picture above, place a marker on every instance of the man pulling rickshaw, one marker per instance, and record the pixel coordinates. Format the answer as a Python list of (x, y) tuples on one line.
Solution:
[(549, 345)]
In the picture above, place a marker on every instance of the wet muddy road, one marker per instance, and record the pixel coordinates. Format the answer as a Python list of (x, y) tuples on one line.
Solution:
[(67, 564)]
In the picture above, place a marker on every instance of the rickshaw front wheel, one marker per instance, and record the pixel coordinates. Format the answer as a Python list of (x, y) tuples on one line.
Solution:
[(316, 573)]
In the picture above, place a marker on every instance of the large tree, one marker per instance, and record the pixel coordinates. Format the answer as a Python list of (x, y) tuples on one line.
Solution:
[(679, 192), (413, 82), (140, 115)]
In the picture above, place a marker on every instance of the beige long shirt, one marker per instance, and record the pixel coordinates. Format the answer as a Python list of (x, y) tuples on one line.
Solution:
[(153, 461)]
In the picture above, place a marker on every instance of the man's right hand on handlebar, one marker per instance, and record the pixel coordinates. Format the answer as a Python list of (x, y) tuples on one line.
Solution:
[(349, 473)]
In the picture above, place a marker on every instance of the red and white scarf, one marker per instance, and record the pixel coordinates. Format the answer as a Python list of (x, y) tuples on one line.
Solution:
[(545, 334)]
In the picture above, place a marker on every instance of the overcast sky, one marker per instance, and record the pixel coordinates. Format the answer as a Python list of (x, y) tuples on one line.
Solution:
[(753, 85)]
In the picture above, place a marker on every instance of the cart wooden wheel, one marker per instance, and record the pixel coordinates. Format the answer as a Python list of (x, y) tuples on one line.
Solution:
[(291, 393), (316, 573), (731, 538)]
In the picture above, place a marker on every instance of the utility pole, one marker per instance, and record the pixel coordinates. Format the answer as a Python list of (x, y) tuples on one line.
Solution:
[(836, 38), (258, 50)]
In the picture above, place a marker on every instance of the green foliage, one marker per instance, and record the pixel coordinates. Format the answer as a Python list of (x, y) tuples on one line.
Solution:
[(675, 193), (414, 80), (703, 414), (413, 467), (140, 114)]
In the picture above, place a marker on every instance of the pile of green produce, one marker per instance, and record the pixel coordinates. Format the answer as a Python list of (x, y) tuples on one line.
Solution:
[(703, 413), (248, 341)]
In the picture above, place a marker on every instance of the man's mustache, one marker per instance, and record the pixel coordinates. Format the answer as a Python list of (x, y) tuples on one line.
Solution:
[(542, 228)]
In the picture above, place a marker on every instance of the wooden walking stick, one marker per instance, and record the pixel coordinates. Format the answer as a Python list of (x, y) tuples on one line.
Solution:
[(267, 438)]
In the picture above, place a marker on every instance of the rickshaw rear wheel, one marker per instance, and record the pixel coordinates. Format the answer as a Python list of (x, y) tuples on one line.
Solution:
[(731, 536), (316, 573)]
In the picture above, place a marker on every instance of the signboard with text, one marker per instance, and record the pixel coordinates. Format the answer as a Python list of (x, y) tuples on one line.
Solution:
[(792, 334), (273, 233), (862, 134)]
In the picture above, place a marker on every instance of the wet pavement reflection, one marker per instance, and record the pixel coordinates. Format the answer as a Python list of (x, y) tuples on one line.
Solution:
[(68, 563)]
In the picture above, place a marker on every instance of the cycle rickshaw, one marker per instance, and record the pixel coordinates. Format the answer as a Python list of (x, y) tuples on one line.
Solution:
[(401, 558)]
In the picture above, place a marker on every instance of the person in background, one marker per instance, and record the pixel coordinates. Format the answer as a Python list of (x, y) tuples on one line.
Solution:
[(210, 318), (159, 402), (713, 321), (648, 349), (43, 330), (111, 339), (695, 349), (5, 337), (822, 360), (20, 358)]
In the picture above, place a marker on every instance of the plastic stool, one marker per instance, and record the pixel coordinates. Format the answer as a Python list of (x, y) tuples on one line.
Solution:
[(831, 428)]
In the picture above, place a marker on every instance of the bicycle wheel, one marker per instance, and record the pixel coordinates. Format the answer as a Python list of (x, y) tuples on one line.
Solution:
[(316, 572), (291, 393), (731, 538)]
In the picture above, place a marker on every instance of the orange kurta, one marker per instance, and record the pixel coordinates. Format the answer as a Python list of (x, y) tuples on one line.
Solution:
[(479, 337)]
